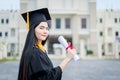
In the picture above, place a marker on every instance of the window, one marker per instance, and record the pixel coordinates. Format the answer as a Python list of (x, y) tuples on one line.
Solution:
[(116, 34), (101, 33), (2, 21), (109, 31), (103, 49), (0, 34), (7, 21), (67, 23), (6, 34), (58, 23), (12, 32), (110, 49), (83, 22), (12, 47), (115, 20), (100, 20)]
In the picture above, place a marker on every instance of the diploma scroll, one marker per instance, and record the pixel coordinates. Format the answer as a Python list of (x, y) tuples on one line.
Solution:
[(64, 43)]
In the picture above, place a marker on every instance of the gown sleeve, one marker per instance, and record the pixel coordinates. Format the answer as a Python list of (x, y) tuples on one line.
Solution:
[(41, 68)]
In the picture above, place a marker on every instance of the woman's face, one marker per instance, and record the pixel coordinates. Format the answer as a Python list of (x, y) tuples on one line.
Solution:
[(42, 31)]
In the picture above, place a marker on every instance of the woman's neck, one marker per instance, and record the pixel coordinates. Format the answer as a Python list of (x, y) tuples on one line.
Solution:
[(39, 41)]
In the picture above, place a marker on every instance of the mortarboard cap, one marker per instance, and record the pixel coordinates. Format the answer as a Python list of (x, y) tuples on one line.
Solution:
[(35, 17)]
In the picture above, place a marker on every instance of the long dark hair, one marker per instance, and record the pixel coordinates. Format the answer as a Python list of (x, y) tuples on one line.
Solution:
[(27, 53)]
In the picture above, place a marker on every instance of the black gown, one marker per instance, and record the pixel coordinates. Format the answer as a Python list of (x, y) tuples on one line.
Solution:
[(40, 67)]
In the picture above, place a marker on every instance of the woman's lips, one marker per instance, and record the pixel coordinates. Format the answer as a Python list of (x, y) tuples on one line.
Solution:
[(44, 35)]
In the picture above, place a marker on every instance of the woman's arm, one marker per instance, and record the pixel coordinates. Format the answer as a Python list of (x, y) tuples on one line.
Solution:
[(69, 56)]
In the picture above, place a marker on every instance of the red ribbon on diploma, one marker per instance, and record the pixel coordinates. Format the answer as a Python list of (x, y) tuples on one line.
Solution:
[(69, 46)]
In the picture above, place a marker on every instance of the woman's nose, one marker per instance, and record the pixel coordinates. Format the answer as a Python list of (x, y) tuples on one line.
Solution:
[(45, 31)]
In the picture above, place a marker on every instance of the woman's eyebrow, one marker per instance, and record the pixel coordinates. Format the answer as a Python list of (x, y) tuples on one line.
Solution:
[(44, 27)]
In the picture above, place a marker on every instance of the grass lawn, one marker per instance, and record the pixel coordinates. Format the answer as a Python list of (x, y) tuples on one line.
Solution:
[(8, 59)]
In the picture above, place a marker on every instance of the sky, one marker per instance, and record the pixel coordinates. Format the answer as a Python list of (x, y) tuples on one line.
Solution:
[(101, 4), (108, 4), (9, 4)]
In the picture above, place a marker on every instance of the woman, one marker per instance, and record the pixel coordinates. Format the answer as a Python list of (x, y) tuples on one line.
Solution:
[(35, 64)]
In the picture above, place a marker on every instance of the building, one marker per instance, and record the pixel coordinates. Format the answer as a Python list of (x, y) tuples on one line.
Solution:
[(108, 24), (74, 19), (8, 33)]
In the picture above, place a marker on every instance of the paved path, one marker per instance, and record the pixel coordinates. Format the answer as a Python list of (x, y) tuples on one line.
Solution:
[(80, 70)]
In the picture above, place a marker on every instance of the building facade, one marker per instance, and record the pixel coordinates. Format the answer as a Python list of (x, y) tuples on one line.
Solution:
[(77, 20), (74, 19), (108, 24), (8, 33)]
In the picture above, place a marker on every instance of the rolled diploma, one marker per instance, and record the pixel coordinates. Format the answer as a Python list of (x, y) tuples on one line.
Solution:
[(64, 43)]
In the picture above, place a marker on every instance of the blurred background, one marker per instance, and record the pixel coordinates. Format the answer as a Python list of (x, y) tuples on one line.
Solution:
[(92, 26)]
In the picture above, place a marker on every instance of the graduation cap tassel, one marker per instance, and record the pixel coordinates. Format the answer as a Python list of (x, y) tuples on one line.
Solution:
[(27, 24)]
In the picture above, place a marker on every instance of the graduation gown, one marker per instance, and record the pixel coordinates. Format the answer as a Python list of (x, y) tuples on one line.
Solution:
[(40, 67), (35, 64)]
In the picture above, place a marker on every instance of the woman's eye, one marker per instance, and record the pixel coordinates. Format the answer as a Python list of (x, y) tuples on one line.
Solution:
[(47, 28), (41, 28)]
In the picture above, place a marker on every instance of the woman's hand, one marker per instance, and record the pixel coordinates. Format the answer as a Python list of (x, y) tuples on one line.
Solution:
[(70, 53), (69, 56)]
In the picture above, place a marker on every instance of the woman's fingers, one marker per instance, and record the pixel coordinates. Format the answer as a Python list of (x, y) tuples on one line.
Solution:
[(71, 53)]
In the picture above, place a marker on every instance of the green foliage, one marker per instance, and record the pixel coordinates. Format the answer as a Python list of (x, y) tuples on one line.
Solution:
[(89, 52), (10, 59), (3, 60)]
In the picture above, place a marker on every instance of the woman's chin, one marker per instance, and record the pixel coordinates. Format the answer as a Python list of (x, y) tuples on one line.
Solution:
[(44, 39)]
